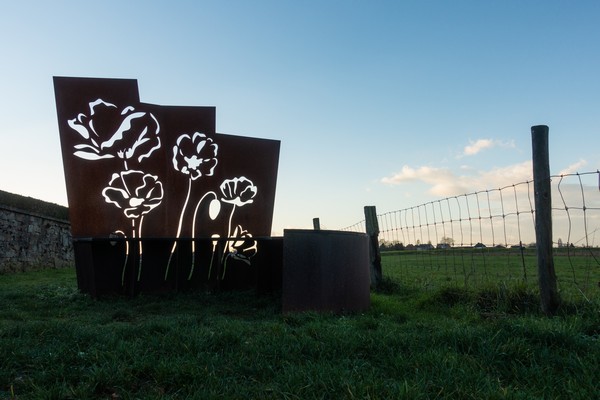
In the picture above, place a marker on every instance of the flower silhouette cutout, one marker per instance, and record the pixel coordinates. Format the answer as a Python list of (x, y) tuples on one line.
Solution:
[(109, 132), (240, 247), (135, 192), (195, 155), (243, 247), (238, 191)]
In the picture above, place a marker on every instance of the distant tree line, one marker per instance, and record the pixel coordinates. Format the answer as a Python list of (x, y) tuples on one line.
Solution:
[(445, 243), (448, 242)]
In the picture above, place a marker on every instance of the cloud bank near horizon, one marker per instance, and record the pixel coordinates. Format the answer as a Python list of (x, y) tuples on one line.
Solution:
[(444, 182)]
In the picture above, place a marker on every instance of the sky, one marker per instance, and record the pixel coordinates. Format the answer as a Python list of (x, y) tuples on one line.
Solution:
[(384, 103)]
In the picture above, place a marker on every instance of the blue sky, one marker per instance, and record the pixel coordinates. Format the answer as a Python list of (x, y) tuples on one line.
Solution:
[(386, 103)]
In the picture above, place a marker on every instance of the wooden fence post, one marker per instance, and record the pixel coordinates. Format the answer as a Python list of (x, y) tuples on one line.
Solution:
[(550, 299), (316, 224), (372, 228)]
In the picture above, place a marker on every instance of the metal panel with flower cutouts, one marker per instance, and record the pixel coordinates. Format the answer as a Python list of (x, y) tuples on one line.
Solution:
[(157, 199)]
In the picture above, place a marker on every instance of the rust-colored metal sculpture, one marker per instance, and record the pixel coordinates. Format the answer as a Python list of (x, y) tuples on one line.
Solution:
[(157, 199)]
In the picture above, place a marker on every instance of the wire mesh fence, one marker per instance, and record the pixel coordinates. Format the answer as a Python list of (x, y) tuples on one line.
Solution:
[(488, 237)]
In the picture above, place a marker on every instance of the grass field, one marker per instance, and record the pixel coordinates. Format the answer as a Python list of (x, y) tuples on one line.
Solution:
[(577, 270), (488, 342)]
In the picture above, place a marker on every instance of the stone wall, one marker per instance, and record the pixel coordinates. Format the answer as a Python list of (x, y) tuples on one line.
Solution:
[(33, 241)]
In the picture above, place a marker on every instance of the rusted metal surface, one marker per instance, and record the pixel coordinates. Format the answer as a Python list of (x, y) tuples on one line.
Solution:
[(325, 271), (137, 171), (104, 268)]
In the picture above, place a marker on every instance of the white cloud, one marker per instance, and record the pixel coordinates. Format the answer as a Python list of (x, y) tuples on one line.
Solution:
[(446, 183), (442, 180), (477, 146), (571, 169), (505, 176), (425, 174), (481, 144)]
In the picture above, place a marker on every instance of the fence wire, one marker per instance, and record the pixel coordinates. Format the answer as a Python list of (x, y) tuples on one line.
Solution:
[(488, 237)]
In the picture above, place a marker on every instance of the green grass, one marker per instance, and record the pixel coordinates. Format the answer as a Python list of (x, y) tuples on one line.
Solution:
[(490, 343), (577, 270)]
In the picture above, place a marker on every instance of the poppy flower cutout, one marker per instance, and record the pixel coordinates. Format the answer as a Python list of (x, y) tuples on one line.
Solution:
[(195, 155), (109, 132), (243, 247), (238, 191), (135, 192)]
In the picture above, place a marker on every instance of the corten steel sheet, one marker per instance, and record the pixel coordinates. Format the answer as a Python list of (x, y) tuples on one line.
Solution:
[(325, 271), (107, 270), (138, 171)]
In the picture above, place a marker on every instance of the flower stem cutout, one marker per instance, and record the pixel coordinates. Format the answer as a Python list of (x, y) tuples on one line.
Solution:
[(122, 234), (187, 198), (136, 193), (195, 156), (215, 242), (238, 192), (213, 211)]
